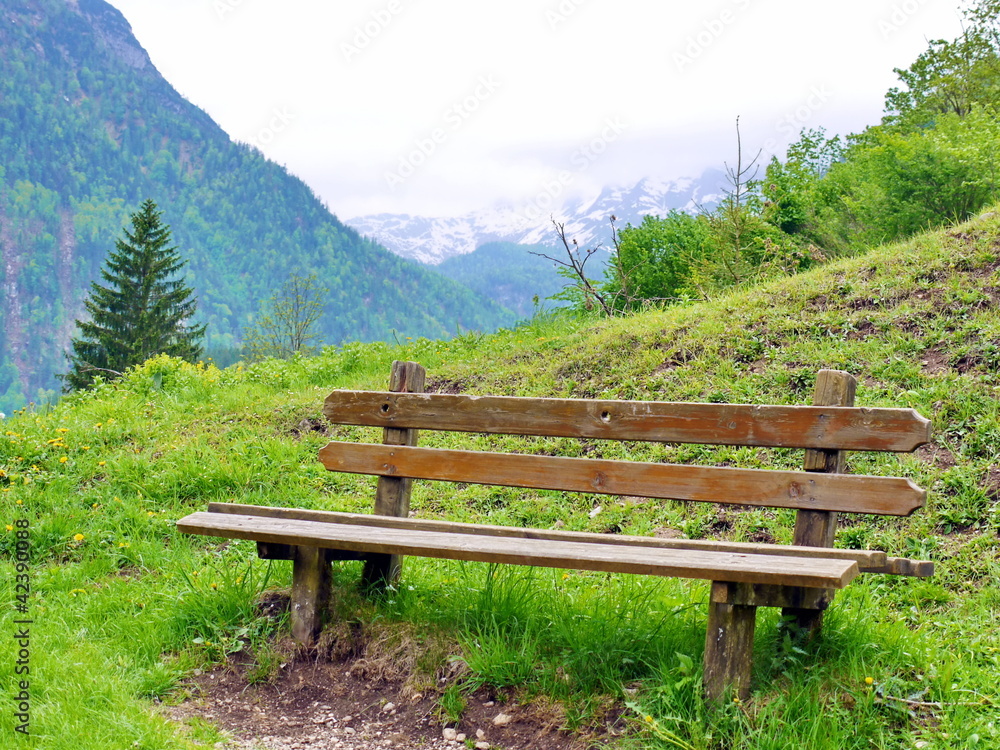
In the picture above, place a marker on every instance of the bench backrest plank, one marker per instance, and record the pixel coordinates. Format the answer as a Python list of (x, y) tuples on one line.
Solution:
[(817, 427), (761, 487)]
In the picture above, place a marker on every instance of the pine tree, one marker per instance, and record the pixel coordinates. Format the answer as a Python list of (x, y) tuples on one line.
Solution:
[(143, 311)]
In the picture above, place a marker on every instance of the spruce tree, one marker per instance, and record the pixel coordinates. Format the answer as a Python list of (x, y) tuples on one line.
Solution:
[(143, 311)]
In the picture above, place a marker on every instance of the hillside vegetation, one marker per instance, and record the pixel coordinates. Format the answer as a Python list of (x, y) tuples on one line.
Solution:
[(125, 608)]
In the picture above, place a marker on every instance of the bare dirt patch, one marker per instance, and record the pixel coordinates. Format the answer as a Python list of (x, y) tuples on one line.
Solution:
[(993, 483), (322, 704), (934, 362), (936, 455)]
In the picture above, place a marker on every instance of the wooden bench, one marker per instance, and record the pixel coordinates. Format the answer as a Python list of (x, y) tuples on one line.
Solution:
[(801, 578)]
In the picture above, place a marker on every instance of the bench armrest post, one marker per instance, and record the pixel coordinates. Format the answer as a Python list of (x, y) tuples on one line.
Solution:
[(818, 528), (392, 497)]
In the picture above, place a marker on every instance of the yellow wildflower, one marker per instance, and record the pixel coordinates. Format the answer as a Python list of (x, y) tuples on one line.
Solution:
[(869, 680), (102, 463), (78, 537), (63, 459), (9, 527)]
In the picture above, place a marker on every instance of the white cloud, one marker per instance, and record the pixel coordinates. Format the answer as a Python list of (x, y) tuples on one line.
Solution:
[(356, 113)]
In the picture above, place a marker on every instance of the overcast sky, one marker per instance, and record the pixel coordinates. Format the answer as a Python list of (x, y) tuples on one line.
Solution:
[(439, 107)]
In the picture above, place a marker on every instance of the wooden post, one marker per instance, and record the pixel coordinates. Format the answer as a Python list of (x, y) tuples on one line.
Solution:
[(728, 645), (817, 528), (310, 592), (392, 497)]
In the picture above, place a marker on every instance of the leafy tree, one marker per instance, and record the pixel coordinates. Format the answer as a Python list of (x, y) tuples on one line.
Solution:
[(142, 312), (288, 325), (789, 187), (951, 77), (655, 259)]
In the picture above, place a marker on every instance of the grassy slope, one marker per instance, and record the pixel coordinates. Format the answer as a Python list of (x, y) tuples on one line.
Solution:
[(128, 607)]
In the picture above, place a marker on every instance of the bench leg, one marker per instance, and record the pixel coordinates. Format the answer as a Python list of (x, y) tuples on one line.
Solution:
[(802, 624), (311, 577), (728, 647)]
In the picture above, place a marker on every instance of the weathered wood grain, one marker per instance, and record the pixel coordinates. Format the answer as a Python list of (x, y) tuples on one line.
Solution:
[(880, 429), (761, 487), (728, 648), (869, 561), (817, 528), (709, 565), (392, 495), (311, 578)]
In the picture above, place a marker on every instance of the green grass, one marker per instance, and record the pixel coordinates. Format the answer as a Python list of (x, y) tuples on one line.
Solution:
[(124, 607)]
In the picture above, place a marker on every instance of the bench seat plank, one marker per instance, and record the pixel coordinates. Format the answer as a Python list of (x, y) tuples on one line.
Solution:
[(869, 561), (819, 427), (714, 565), (895, 496)]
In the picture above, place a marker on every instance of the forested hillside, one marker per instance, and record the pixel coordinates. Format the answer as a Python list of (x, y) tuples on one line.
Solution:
[(511, 275), (89, 129)]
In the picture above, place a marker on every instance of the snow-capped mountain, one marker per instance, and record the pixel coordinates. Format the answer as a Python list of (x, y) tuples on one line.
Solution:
[(432, 240)]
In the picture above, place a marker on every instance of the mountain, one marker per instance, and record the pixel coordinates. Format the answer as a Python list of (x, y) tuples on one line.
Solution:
[(89, 129), (514, 276), (432, 240)]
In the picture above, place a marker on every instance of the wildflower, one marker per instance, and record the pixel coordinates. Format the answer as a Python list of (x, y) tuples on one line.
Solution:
[(9, 527), (94, 506), (20, 501), (86, 447), (78, 537), (869, 680), (74, 592), (123, 544), (214, 585), (150, 513), (102, 463), (62, 429), (63, 459), (3, 473)]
